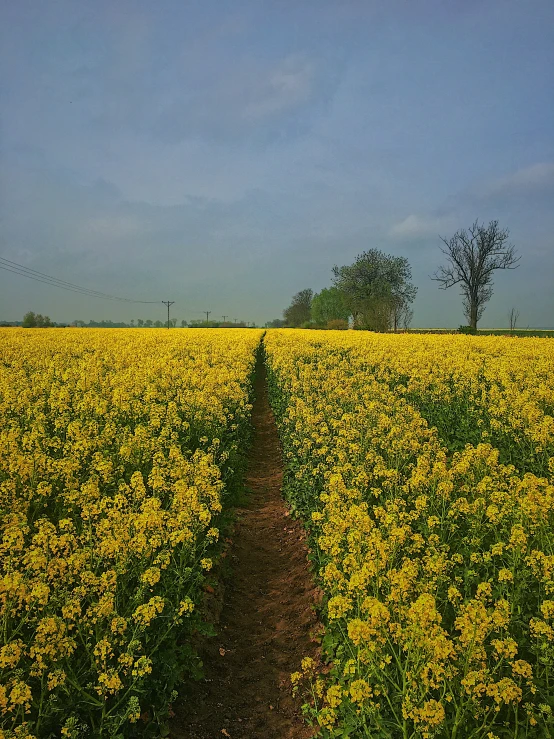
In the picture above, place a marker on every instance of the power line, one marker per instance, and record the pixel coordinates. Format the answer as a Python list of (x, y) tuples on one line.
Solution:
[(21, 269), (48, 282), (33, 274), (70, 289)]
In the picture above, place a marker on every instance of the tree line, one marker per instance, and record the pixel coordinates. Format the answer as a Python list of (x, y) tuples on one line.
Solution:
[(37, 320), (376, 292)]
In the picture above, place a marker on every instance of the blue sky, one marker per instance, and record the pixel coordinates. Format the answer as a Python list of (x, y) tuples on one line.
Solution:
[(227, 154)]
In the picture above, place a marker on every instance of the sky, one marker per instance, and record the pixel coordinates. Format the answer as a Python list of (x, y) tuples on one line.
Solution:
[(226, 155)]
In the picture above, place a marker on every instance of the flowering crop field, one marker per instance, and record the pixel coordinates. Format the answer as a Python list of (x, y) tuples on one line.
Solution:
[(423, 467), (117, 451)]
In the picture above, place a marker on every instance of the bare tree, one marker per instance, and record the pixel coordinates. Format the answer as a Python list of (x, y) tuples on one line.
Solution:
[(473, 256), (514, 315)]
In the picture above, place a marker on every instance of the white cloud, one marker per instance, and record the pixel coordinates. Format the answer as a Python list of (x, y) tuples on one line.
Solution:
[(419, 227), (535, 177)]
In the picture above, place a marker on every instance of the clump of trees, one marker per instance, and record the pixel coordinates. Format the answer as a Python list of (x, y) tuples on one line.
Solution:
[(472, 256), (377, 290), (36, 320), (299, 311), (375, 293), (330, 305)]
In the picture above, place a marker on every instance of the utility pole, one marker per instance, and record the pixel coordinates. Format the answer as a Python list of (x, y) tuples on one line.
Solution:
[(168, 303), (224, 317), (207, 312)]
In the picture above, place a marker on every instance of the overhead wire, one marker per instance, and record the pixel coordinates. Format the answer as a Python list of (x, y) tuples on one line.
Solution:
[(33, 274)]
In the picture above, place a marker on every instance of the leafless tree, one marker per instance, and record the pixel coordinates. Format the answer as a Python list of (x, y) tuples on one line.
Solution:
[(473, 256), (514, 315)]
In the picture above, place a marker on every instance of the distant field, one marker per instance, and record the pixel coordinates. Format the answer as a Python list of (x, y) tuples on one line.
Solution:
[(524, 332)]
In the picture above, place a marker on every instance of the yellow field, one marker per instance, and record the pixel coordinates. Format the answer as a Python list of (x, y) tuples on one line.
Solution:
[(422, 465), (115, 446), (436, 555)]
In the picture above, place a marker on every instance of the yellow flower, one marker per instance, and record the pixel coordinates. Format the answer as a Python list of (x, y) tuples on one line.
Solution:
[(56, 678), (144, 614), (334, 696), (338, 606), (143, 666), (10, 654), (151, 576), (109, 682), (186, 607), (360, 691), (523, 669), (20, 695)]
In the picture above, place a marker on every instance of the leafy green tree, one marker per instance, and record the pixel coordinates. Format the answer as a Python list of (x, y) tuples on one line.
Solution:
[(36, 320), (29, 320), (376, 287), (275, 323), (472, 257), (328, 305), (299, 311), (148, 323), (158, 324)]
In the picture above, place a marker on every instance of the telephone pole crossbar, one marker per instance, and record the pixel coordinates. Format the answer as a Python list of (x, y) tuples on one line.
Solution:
[(168, 303)]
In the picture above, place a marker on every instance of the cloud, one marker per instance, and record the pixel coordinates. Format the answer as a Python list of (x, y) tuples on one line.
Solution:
[(536, 177), (288, 85), (420, 227), (531, 182), (233, 102)]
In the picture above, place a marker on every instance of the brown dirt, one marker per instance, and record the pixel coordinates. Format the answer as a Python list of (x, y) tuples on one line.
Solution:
[(268, 622)]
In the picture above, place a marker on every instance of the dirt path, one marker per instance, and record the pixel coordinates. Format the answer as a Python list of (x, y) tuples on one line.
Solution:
[(267, 618)]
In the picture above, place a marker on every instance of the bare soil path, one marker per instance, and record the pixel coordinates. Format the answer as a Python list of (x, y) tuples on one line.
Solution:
[(267, 620)]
